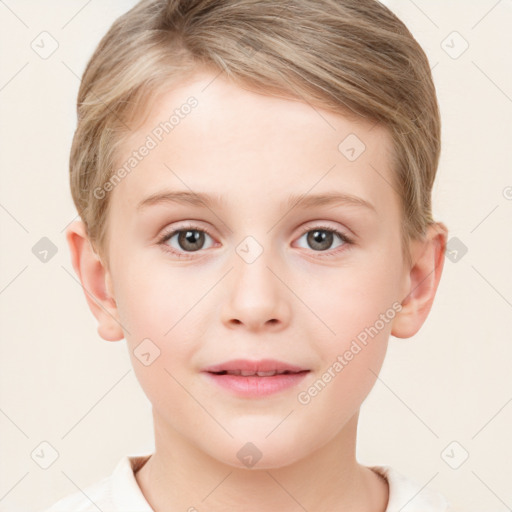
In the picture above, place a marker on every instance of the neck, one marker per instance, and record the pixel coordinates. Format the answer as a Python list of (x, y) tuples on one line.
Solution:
[(179, 476)]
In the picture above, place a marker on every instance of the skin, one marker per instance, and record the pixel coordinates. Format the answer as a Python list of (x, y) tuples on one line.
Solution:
[(292, 303)]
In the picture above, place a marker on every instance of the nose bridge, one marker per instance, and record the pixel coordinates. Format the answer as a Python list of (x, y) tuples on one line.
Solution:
[(256, 296)]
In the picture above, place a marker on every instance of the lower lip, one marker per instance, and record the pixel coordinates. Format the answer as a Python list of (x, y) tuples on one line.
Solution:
[(254, 386)]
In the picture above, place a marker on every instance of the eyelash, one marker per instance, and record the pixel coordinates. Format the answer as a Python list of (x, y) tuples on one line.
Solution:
[(190, 227)]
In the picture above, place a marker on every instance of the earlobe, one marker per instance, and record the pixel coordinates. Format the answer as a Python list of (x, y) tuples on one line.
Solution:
[(423, 278), (96, 282)]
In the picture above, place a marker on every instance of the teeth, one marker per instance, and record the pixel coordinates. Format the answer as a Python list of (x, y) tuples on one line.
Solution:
[(249, 373)]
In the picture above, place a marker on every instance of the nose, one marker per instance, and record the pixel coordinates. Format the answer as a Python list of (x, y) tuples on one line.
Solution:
[(256, 297)]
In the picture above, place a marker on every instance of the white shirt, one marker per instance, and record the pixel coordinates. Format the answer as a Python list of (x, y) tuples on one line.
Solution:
[(120, 492)]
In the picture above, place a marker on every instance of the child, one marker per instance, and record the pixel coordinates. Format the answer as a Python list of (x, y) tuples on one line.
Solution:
[(258, 131)]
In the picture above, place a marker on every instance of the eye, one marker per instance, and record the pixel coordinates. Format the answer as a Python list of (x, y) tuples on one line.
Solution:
[(320, 239), (189, 239)]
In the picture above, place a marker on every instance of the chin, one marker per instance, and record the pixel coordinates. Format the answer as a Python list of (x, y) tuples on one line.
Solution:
[(253, 450)]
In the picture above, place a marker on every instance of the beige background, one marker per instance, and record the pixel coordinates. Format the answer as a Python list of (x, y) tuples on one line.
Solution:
[(62, 384)]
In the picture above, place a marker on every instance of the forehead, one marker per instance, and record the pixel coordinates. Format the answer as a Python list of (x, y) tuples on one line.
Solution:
[(211, 135)]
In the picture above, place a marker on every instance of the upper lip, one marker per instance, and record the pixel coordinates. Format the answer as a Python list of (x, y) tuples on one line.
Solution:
[(263, 365)]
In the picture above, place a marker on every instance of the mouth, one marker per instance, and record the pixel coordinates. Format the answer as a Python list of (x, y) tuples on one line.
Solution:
[(253, 379)]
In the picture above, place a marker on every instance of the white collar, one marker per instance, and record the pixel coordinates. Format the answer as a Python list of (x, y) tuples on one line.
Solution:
[(405, 495)]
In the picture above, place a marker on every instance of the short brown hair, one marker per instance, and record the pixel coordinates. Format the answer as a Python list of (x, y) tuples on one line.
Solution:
[(352, 57)]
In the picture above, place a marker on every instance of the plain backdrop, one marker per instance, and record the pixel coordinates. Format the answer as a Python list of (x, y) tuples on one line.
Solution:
[(441, 409)]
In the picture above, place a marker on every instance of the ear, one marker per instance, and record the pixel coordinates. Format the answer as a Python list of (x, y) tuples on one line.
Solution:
[(422, 280), (96, 282)]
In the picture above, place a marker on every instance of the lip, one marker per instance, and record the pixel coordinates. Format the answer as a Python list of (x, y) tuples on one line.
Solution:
[(255, 386)]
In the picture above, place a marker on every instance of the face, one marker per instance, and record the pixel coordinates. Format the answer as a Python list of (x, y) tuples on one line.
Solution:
[(254, 273)]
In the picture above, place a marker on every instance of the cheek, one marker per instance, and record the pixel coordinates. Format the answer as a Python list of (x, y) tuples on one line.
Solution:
[(158, 311), (352, 298), (357, 305), (157, 298), (351, 362)]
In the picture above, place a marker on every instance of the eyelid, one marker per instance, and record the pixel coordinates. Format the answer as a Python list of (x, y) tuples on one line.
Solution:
[(169, 233), (310, 226)]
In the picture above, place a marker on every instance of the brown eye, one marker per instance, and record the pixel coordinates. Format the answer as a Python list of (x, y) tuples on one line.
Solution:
[(189, 239), (321, 238)]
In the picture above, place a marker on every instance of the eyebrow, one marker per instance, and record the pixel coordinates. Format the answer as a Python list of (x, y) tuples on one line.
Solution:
[(305, 201)]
